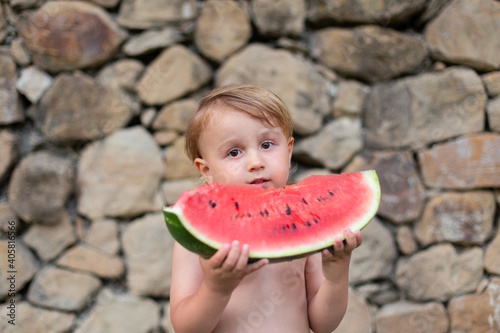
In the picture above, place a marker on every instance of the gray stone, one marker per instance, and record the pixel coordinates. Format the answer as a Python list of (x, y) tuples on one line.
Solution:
[(477, 155), (3, 25), (406, 241), (122, 74), (147, 240), (333, 146), (46, 289), (279, 18), (9, 150), (292, 78), (175, 115), (423, 109), (119, 176), (19, 52), (23, 4), (178, 165), (34, 319), (84, 35), (33, 83), (103, 236), (23, 265), (377, 243), (431, 10), (152, 40), (40, 186), (477, 313), (404, 316), (222, 28), (350, 98), (49, 241), (439, 272), (493, 113), (402, 197), (468, 44), (118, 313), (379, 292), (462, 218), (7, 217), (370, 53), (174, 73), (172, 189), (165, 137), (492, 83), (491, 255), (88, 111), (92, 260), (10, 105), (146, 14), (358, 11)]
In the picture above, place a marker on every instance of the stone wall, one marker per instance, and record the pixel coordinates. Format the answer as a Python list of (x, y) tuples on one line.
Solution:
[(94, 99)]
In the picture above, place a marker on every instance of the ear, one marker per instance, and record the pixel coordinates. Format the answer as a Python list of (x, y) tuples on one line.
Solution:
[(204, 169), (290, 150)]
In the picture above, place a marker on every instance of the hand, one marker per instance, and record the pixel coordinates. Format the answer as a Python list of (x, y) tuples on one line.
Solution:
[(340, 252), (228, 266)]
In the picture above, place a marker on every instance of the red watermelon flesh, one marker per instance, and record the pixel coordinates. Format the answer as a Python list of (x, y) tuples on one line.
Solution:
[(277, 224)]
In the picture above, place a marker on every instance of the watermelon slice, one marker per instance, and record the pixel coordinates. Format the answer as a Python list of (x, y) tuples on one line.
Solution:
[(278, 224)]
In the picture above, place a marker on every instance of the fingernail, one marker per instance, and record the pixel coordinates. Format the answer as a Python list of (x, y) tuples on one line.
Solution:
[(236, 243), (245, 247)]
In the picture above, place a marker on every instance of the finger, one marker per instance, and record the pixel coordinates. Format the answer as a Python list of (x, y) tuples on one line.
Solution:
[(243, 258), (256, 265), (338, 245), (350, 240), (359, 238), (219, 257), (233, 255)]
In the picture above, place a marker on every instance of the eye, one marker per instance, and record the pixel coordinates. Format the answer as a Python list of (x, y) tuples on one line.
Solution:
[(234, 153), (267, 145)]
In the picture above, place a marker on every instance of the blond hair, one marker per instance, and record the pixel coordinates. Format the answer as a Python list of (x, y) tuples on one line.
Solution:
[(257, 102)]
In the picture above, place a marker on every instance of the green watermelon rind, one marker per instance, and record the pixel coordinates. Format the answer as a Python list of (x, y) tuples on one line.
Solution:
[(182, 236), (186, 236)]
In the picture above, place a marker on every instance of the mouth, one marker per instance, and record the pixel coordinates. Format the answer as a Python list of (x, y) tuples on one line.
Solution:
[(260, 181)]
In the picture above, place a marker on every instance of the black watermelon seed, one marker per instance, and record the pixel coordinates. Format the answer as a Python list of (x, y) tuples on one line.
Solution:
[(249, 215), (266, 212), (331, 193), (261, 213), (237, 205), (308, 224), (316, 220), (212, 204), (283, 227), (294, 227), (304, 201), (288, 210)]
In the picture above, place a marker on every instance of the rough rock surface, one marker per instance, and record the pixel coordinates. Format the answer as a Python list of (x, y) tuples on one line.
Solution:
[(40, 187), (468, 44), (117, 177), (477, 155), (174, 73), (413, 112), (439, 272), (140, 255), (90, 111), (293, 79), (370, 53), (70, 41), (104, 89)]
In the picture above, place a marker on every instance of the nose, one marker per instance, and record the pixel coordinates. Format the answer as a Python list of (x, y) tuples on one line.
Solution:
[(255, 161)]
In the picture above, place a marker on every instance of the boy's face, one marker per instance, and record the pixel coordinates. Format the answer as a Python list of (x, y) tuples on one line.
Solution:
[(239, 149)]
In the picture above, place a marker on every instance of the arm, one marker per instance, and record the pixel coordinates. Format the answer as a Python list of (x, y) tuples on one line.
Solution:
[(328, 292), (201, 288)]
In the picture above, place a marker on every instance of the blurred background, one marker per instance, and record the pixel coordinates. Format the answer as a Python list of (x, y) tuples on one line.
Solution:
[(94, 101)]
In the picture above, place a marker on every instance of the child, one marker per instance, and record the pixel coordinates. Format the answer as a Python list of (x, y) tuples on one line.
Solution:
[(243, 134)]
